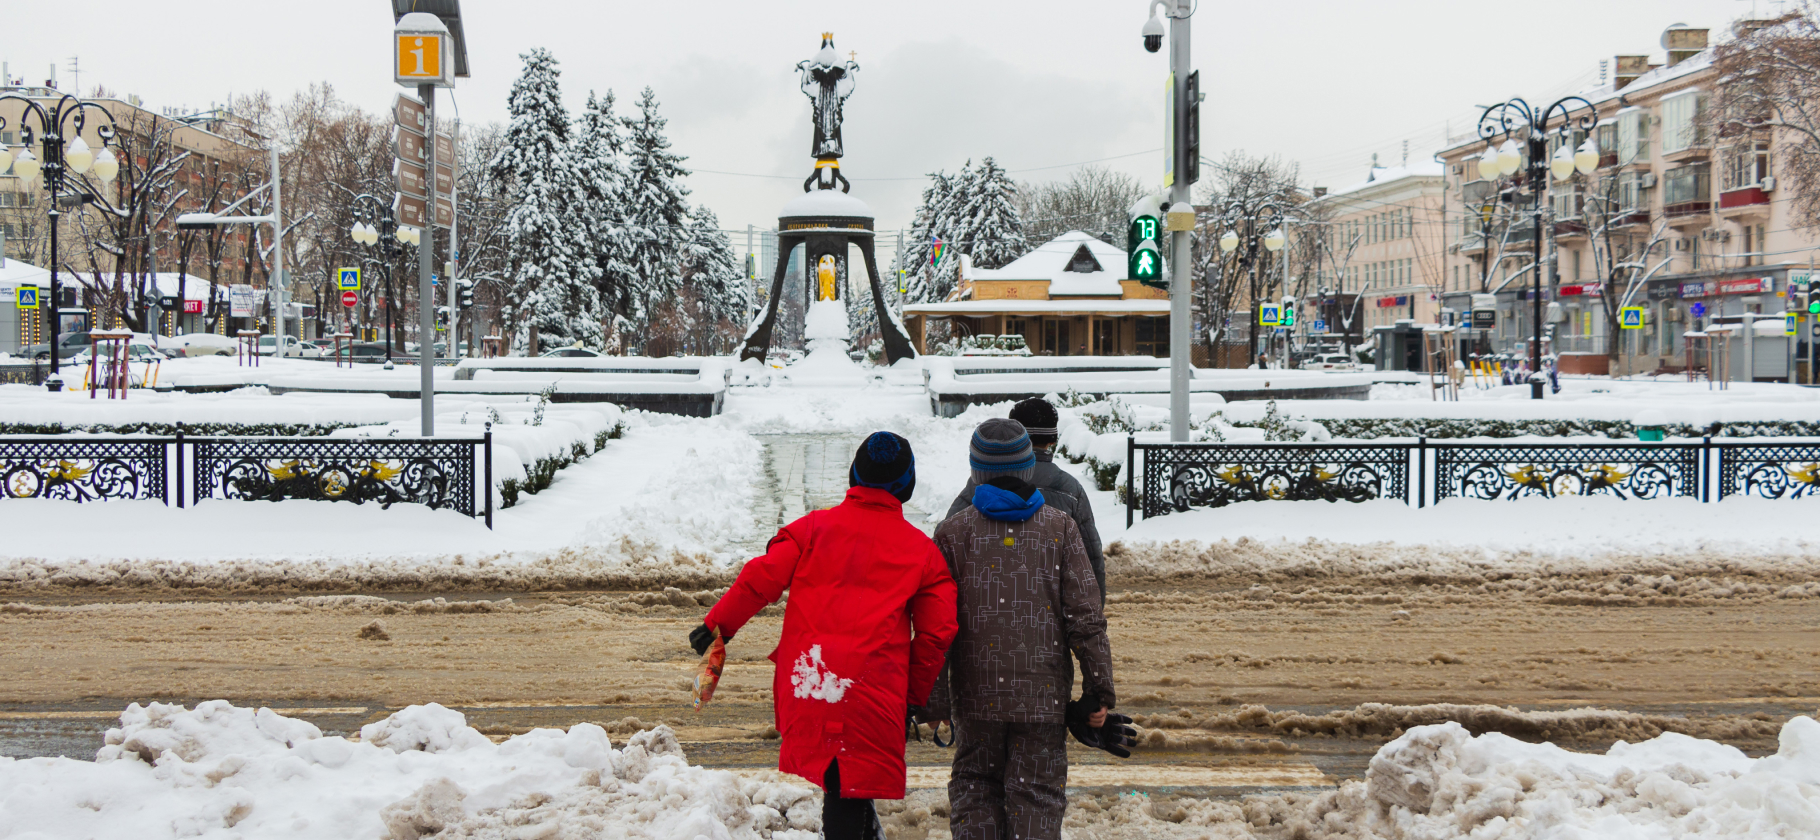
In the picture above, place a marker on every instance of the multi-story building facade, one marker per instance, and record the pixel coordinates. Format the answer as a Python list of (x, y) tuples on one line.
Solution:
[(1380, 250), (1679, 219)]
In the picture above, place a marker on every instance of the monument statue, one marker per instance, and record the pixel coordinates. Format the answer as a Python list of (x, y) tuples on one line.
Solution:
[(825, 222), (827, 82)]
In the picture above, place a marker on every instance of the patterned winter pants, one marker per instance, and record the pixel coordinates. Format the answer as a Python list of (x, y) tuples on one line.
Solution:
[(1008, 780)]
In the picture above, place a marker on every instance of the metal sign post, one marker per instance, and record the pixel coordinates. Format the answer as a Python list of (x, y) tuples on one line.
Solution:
[(423, 53)]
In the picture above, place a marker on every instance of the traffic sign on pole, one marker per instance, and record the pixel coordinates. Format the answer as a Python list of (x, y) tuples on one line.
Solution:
[(347, 278), (1788, 323), (1630, 318), (1269, 315), (26, 297), (349, 299)]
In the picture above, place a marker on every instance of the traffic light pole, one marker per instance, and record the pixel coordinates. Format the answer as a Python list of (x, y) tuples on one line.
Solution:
[(1180, 241)]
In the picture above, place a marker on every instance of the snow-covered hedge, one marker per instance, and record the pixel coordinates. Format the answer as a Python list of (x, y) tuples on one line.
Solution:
[(531, 441), (1402, 427)]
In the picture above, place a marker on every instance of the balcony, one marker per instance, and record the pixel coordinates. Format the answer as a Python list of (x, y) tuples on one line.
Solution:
[(1632, 217), (1752, 200), (1570, 229), (1687, 193)]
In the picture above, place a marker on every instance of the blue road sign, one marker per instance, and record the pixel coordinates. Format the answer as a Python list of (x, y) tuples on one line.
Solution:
[(1269, 315), (1698, 309), (1318, 325), (26, 297), (1630, 318), (348, 279)]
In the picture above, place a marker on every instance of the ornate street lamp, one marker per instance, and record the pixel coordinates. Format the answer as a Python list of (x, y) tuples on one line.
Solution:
[(374, 224), (59, 160), (1263, 228), (1508, 120)]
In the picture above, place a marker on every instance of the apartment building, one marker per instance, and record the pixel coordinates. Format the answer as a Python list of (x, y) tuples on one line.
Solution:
[(1380, 253), (1679, 219)]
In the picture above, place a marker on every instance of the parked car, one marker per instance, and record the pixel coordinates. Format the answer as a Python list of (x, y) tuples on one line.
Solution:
[(1331, 361), (366, 351), (572, 353), (136, 351), (293, 348), (70, 344)]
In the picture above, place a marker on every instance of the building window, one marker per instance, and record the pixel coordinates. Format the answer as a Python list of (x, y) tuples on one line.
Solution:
[(1683, 121), (1633, 136), (1633, 197), (1687, 186), (1746, 165), (1608, 140)]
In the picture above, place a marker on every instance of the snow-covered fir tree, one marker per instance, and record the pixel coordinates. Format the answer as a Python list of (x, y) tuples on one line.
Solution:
[(714, 272), (994, 232), (599, 149), (551, 287), (656, 204), (930, 278)]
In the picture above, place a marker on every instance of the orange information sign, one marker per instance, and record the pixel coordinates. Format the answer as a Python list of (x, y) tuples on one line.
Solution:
[(419, 56)]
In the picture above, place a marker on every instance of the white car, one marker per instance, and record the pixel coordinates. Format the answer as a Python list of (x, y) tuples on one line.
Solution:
[(292, 347), (1331, 361)]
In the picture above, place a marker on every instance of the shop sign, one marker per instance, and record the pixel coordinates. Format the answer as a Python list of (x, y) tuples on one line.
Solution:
[(1662, 290), (1387, 302), (1746, 286), (1587, 289)]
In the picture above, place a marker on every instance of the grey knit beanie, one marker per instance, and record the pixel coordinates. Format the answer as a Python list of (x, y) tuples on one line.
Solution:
[(1001, 448)]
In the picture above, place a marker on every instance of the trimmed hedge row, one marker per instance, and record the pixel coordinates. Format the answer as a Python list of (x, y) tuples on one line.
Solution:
[(1407, 427), (539, 475)]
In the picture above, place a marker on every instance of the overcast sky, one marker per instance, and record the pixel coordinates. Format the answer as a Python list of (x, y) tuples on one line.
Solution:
[(1037, 84)]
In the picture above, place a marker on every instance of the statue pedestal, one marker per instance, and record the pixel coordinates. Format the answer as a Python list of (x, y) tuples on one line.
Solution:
[(827, 333)]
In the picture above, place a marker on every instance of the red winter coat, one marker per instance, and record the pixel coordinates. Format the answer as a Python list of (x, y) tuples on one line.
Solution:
[(860, 578)]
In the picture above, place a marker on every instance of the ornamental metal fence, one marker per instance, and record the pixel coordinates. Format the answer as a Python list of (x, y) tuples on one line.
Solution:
[(440, 473), (1163, 478)]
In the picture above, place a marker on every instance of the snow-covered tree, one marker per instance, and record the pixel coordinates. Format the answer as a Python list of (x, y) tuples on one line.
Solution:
[(599, 149), (930, 277), (656, 203), (552, 288), (714, 271), (993, 231)]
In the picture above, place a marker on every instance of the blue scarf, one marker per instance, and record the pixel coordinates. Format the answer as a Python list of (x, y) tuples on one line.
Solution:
[(1005, 506)]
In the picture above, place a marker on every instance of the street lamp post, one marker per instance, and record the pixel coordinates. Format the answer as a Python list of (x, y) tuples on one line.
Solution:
[(374, 224), (59, 159), (1518, 117), (1263, 228)]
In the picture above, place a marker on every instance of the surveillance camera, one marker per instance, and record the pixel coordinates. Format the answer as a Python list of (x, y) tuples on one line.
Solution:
[(1153, 32)]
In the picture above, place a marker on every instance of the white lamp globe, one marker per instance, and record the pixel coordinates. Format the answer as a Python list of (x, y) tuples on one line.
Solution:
[(1488, 164), (403, 234), (1587, 158), (106, 166), (1562, 164), (6, 158), (26, 165), (1274, 240), (1508, 158), (1229, 241), (77, 156)]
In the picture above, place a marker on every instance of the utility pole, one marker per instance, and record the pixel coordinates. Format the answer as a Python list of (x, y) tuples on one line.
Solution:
[(1181, 165)]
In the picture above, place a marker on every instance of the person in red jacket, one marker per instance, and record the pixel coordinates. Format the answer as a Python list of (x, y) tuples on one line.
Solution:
[(849, 669)]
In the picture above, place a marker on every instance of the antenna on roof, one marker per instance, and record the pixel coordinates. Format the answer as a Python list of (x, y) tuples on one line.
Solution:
[(1602, 68), (1405, 152)]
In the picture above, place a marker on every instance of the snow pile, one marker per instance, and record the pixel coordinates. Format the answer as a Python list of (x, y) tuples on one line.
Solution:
[(826, 330), (812, 678), (221, 771), (1440, 781)]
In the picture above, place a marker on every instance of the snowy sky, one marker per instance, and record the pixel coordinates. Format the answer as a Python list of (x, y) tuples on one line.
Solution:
[(1037, 84)]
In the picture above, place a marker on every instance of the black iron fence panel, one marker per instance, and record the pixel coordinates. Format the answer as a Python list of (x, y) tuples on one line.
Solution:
[(1624, 470), (432, 472), (83, 469), (1178, 477), (1769, 470)]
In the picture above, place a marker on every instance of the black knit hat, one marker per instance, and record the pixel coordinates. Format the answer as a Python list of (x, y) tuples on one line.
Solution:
[(1039, 419), (885, 462)]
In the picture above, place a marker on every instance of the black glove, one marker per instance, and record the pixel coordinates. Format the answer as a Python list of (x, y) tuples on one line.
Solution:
[(1116, 736), (914, 715), (701, 637)]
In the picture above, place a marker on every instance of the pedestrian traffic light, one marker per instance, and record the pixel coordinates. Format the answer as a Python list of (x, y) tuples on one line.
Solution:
[(1288, 315), (1145, 261), (464, 294)]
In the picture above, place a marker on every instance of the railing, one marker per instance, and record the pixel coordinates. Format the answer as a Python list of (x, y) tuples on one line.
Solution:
[(1181, 477), (435, 472)]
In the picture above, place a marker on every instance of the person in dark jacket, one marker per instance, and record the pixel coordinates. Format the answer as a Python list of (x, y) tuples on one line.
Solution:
[(1026, 594), (870, 616), (1060, 489)]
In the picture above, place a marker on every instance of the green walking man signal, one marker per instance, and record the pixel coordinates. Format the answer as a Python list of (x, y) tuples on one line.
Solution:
[(1144, 261), (1288, 313)]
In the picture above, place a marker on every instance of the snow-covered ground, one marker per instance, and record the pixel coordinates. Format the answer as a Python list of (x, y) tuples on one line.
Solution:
[(219, 771)]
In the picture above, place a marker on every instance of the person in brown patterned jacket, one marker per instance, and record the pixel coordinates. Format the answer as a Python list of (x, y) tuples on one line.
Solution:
[(1026, 592)]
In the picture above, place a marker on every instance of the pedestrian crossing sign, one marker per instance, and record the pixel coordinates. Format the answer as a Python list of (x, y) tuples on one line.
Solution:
[(26, 297), (1788, 323), (348, 278), (1631, 318), (1269, 314)]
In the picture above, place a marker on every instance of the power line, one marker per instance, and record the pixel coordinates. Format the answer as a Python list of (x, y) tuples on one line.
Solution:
[(922, 177)]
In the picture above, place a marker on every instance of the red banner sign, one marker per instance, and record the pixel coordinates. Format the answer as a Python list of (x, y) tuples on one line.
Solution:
[(192, 307)]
